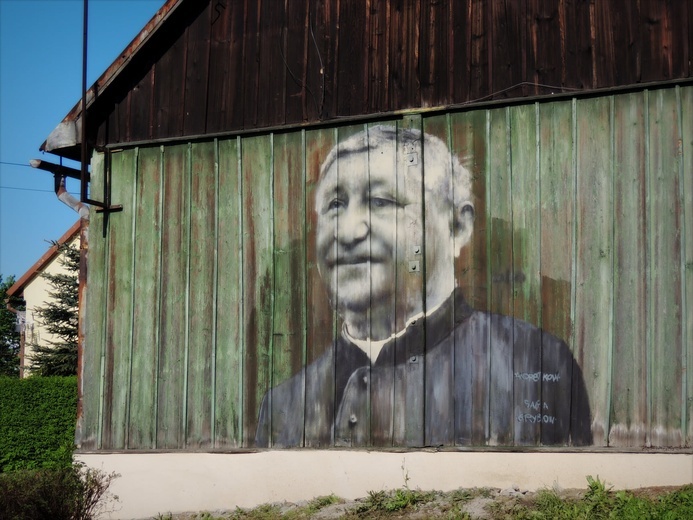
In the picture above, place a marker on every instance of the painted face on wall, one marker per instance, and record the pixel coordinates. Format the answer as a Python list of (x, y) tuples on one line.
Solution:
[(370, 207)]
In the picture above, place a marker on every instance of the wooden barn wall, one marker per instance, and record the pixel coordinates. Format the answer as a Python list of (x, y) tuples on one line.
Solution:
[(208, 289), (229, 65)]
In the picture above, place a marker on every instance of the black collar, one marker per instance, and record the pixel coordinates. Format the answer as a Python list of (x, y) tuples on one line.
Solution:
[(419, 337)]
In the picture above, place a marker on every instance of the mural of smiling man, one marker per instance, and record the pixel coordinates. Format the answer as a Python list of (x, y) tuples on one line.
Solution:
[(414, 364)]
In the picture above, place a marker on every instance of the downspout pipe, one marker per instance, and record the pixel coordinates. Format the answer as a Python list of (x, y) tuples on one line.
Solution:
[(65, 197), (59, 175)]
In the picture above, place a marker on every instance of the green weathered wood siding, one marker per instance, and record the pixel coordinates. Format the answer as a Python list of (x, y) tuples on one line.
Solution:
[(204, 291)]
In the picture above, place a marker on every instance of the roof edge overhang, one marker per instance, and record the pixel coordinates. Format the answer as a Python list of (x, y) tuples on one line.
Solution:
[(65, 139), (18, 287)]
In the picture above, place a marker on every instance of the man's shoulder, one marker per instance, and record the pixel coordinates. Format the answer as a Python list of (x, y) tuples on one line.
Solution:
[(508, 328), (508, 337)]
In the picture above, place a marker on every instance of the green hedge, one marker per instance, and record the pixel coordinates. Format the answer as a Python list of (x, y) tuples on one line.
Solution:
[(37, 422)]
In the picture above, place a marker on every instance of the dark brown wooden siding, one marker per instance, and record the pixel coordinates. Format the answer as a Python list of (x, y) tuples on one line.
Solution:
[(229, 65)]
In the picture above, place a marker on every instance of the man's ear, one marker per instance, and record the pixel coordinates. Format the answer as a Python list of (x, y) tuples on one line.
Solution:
[(463, 224)]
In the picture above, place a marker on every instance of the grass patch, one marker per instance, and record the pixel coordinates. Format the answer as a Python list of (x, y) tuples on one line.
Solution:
[(319, 503), (599, 503), (392, 501), (263, 512)]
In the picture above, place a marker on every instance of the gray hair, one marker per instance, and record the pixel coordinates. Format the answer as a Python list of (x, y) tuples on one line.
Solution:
[(444, 175)]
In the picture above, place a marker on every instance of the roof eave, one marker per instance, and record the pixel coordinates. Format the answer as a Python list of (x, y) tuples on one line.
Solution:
[(18, 287), (67, 135)]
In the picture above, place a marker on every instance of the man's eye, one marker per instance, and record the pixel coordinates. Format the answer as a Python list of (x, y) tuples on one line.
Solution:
[(380, 202), (336, 204)]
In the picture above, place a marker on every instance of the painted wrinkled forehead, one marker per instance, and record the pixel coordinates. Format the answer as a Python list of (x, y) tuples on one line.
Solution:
[(441, 169)]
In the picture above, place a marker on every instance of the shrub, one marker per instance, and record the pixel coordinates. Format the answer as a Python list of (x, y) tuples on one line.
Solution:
[(74, 493), (37, 429)]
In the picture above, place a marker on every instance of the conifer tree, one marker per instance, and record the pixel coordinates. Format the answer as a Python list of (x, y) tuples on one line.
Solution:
[(9, 336), (60, 318)]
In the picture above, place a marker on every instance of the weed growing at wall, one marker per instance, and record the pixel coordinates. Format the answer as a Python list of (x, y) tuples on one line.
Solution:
[(37, 429)]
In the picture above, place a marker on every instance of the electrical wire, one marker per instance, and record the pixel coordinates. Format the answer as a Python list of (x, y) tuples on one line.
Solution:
[(28, 189), (15, 164)]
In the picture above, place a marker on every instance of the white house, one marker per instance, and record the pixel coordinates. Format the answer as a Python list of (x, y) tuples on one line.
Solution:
[(35, 289)]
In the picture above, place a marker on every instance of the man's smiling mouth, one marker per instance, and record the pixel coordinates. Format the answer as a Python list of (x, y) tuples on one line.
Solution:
[(354, 259), (345, 260)]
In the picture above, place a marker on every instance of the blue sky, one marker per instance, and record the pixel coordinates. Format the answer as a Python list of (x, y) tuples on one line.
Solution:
[(40, 82)]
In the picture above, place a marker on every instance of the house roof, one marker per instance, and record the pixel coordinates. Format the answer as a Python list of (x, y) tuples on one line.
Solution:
[(45, 259), (67, 135)]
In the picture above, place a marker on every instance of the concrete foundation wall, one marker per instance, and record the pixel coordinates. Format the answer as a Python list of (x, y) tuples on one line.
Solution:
[(176, 482)]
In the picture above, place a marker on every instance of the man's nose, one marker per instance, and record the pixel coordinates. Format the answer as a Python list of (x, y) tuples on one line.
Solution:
[(353, 225)]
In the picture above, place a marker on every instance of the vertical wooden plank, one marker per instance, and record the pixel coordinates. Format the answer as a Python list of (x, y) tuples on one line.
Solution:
[(93, 348), (174, 283), (201, 335), (478, 49), (295, 44), (629, 421), (543, 45), (468, 143), (624, 30), (396, 407), (251, 68), (526, 239), (603, 51), (119, 304), (655, 29), (457, 53), (576, 43), (507, 22), (412, 37), (169, 91), (665, 249), (142, 427), (556, 184), (321, 317), (526, 215), (378, 65), (500, 264), (229, 333), (224, 106), (140, 110), (272, 73), (408, 171), (373, 423), (219, 76), (434, 74), (594, 276), (436, 431), (686, 108), (322, 61), (197, 72), (258, 297), (289, 320), (353, 66)]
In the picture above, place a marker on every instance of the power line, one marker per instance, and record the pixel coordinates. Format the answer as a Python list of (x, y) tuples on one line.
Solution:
[(15, 164), (28, 189)]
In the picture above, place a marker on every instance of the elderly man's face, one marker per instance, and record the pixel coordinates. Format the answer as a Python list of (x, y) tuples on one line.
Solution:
[(370, 218)]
